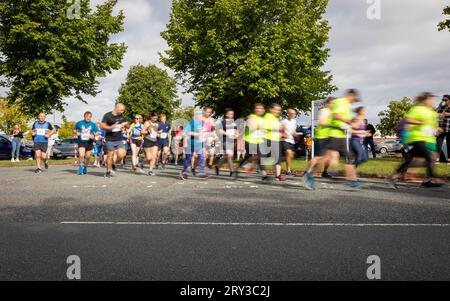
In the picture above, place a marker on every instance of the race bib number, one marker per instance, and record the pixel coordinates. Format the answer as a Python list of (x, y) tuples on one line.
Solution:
[(163, 135), (41, 132), (137, 132), (85, 137), (153, 134)]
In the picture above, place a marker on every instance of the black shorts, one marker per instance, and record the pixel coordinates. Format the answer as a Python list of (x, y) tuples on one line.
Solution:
[(138, 142), (87, 145), (40, 146), (340, 145), (149, 144), (320, 147), (163, 144), (288, 146)]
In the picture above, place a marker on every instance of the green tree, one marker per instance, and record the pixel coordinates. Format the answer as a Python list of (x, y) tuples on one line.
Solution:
[(66, 129), (391, 117), (445, 24), (47, 54), (10, 115), (233, 53), (185, 113), (149, 89)]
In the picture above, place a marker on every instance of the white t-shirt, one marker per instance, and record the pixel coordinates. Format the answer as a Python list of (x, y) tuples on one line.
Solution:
[(289, 126)]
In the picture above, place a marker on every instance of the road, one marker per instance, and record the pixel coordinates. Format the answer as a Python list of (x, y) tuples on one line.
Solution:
[(135, 227)]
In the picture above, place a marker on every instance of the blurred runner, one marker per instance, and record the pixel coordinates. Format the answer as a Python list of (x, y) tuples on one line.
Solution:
[(98, 146), (271, 150), (320, 145), (423, 129), (164, 141), (210, 136), (194, 142), (229, 133), (178, 144), (289, 132), (253, 139)]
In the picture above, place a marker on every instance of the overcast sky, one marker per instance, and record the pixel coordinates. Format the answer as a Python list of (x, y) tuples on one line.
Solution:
[(399, 55)]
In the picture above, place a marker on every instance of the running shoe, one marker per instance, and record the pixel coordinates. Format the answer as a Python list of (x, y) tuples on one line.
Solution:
[(108, 175), (430, 184), (266, 179), (114, 167), (151, 173), (46, 164), (392, 183), (80, 170), (355, 184), (140, 171), (183, 176), (280, 178), (193, 172), (84, 170), (38, 170), (309, 181), (217, 170), (291, 174), (325, 174), (236, 175), (203, 176)]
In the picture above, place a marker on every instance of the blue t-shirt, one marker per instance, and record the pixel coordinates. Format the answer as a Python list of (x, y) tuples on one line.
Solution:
[(86, 129), (41, 130), (196, 143), (164, 136)]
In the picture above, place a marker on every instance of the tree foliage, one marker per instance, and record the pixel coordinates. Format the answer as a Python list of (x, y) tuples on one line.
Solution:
[(149, 89), (233, 53), (10, 115), (47, 54), (66, 129), (445, 24), (185, 113), (391, 117)]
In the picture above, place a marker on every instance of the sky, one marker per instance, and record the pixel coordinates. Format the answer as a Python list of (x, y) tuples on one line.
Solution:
[(400, 54)]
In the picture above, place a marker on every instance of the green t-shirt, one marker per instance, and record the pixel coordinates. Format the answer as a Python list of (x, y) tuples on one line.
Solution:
[(423, 132), (323, 131), (272, 126), (253, 131), (342, 107)]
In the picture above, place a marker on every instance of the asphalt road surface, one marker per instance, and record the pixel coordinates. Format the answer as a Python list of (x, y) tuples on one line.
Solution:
[(135, 227)]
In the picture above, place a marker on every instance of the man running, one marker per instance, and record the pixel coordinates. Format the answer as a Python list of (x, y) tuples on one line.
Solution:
[(229, 134), (289, 132), (423, 128), (85, 130), (113, 124), (320, 145), (41, 130), (164, 141), (272, 151), (341, 110), (253, 138), (194, 145), (151, 133)]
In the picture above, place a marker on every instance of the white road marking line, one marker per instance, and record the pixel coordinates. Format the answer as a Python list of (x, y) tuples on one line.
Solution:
[(254, 224)]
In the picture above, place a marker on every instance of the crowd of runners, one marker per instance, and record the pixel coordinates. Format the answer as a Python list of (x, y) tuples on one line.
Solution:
[(259, 144)]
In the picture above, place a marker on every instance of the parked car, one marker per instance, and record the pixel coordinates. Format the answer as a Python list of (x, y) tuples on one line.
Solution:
[(388, 147), (65, 148), (26, 150)]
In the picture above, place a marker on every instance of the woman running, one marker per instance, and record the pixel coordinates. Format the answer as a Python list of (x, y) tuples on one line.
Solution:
[(150, 130), (136, 142), (359, 132), (178, 144), (164, 140)]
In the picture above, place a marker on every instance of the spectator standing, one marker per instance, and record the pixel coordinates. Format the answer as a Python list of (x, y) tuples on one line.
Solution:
[(444, 124), (16, 136), (368, 140)]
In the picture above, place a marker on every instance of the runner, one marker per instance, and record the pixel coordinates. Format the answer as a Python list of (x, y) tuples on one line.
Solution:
[(289, 132), (85, 130), (444, 124), (229, 133), (136, 142), (359, 132), (210, 136), (113, 123), (194, 141), (41, 131), (98, 146), (423, 129), (151, 133), (164, 141), (272, 151), (320, 145), (51, 141), (338, 144), (253, 138), (178, 144)]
